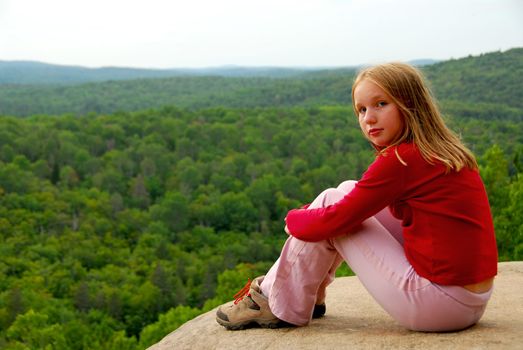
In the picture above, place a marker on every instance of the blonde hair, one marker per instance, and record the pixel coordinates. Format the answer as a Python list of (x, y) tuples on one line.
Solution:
[(423, 123)]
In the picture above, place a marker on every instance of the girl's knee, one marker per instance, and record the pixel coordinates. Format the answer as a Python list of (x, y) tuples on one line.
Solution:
[(333, 193), (347, 186), (327, 197)]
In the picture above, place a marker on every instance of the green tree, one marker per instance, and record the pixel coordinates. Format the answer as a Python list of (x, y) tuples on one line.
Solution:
[(33, 331), (172, 210)]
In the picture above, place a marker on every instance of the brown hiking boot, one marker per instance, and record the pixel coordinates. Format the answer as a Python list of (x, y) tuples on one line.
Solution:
[(251, 308)]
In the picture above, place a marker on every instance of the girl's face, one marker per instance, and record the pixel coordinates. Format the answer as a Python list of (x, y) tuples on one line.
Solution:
[(379, 117)]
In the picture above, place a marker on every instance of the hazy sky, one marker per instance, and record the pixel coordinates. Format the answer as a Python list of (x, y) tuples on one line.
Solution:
[(202, 33)]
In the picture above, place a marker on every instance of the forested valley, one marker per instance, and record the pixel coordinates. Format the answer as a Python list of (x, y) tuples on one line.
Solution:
[(123, 219)]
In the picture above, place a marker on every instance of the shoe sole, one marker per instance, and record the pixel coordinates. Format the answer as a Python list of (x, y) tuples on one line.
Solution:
[(251, 324)]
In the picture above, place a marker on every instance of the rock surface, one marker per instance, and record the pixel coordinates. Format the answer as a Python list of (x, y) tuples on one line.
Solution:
[(355, 321)]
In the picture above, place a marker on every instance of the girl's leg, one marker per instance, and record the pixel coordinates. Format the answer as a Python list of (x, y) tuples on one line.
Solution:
[(379, 261), (297, 280), (375, 253), (293, 285), (385, 217)]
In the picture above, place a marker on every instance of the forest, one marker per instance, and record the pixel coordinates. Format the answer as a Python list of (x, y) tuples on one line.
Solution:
[(484, 87), (120, 224)]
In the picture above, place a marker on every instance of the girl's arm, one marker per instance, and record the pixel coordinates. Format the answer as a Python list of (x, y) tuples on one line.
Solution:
[(380, 186)]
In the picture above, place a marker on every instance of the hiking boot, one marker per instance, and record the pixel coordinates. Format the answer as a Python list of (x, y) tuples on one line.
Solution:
[(319, 310), (250, 308)]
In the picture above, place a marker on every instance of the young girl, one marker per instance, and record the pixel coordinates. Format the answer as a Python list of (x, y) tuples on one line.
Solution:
[(416, 228)]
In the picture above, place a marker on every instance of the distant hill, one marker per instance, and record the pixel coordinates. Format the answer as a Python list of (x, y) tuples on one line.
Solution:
[(29, 72), (36, 73), (39, 73), (485, 86), (496, 77)]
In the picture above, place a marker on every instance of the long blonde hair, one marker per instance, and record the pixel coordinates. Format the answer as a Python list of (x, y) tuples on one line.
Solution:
[(424, 125)]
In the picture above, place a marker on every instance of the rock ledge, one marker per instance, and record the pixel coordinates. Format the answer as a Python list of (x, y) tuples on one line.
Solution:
[(354, 320)]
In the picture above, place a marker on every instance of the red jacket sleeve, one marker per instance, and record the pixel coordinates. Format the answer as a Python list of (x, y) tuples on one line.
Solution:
[(380, 186)]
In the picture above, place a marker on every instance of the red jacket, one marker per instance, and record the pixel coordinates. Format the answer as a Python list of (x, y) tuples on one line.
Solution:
[(447, 224)]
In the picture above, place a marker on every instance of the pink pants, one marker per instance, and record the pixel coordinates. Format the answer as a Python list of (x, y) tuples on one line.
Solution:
[(298, 279)]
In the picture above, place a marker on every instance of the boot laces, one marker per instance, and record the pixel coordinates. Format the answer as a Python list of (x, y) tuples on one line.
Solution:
[(242, 293)]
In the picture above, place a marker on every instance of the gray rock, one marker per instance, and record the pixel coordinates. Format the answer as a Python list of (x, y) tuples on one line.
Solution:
[(355, 321)]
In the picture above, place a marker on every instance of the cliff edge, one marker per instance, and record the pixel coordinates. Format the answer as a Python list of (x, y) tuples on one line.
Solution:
[(355, 321)]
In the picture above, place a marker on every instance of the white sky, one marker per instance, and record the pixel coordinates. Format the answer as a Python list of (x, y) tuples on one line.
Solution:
[(203, 33)]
